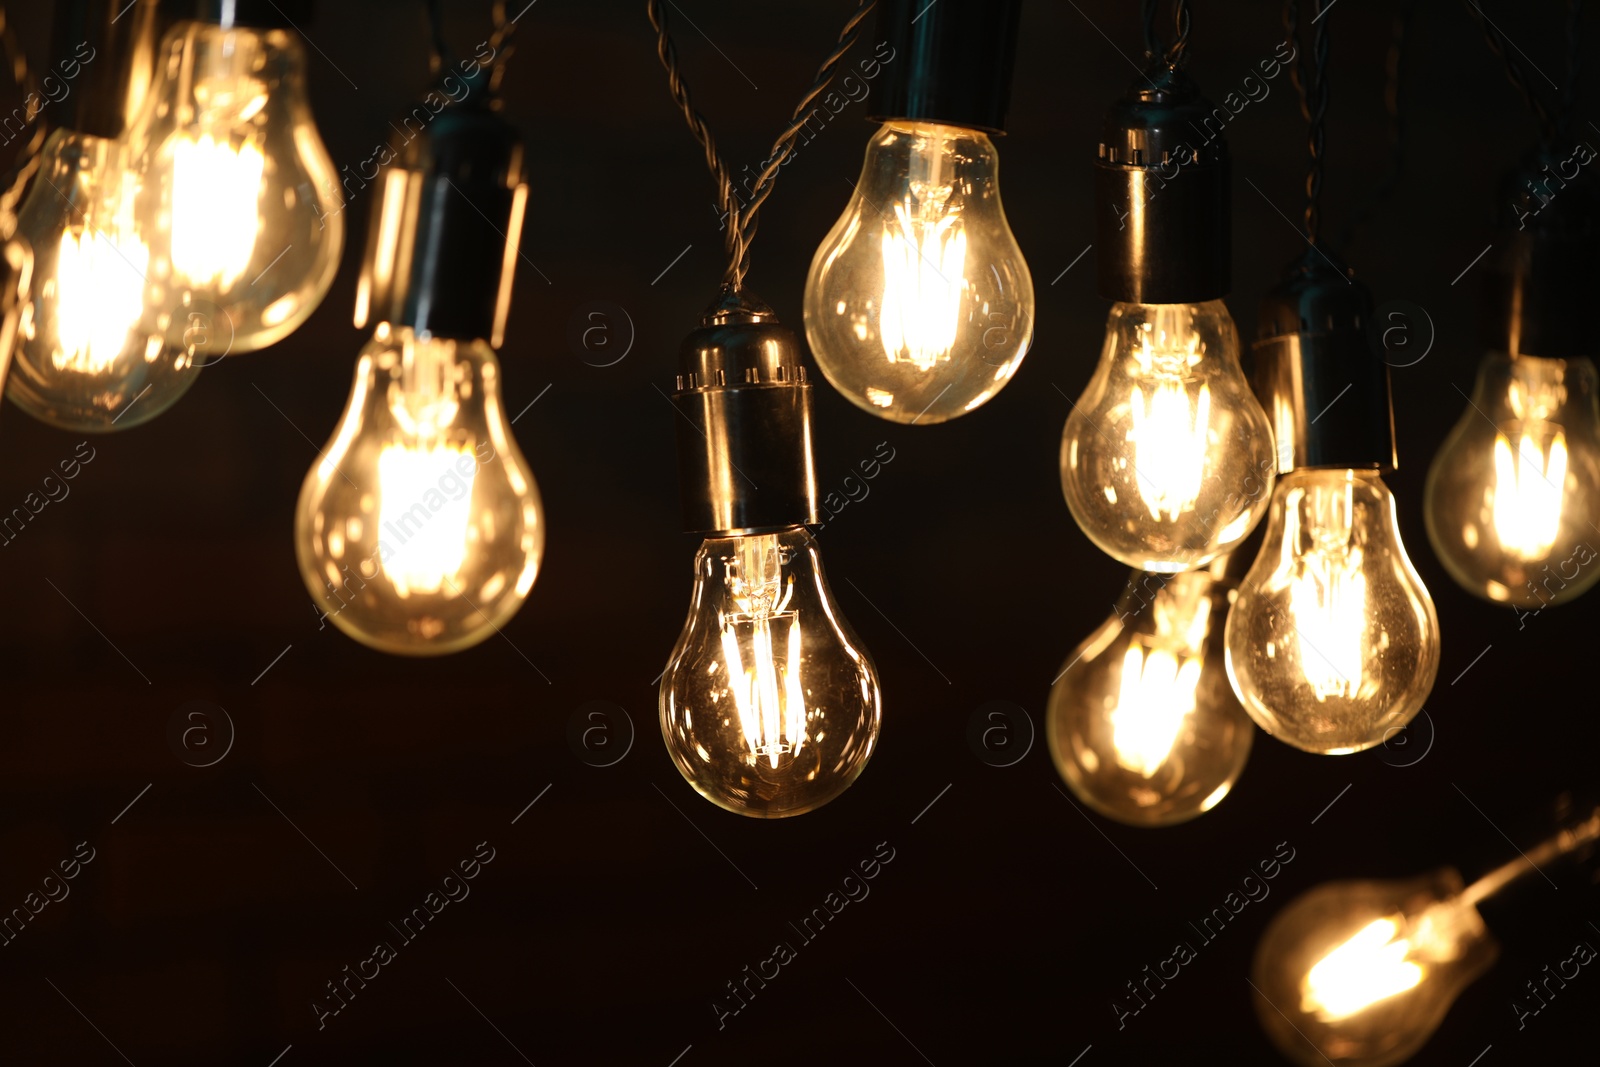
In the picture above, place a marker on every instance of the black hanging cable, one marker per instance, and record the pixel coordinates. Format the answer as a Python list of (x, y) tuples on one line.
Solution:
[(741, 222), (441, 60), (1514, 73), (1313, 92), (1393, 102), (1569, 92), (1181, 20)]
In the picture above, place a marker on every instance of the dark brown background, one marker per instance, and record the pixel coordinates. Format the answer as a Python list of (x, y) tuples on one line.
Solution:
[(607, 923)]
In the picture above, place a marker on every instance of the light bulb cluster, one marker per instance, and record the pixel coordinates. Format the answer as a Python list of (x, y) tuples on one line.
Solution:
[(180, 212)]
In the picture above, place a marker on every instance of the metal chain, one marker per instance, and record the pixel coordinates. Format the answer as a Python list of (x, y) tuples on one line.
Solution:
[(1514, 73), (741, 223)]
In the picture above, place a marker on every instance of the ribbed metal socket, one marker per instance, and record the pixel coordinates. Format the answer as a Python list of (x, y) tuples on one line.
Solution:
[(744, 439)]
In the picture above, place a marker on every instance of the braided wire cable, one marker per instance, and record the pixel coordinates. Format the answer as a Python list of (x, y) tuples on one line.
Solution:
[(1514, 73), (740, 225), (1180, 22), (501, 44), (783, 146), (1315, 108), (1173, 54), (1393, 101)]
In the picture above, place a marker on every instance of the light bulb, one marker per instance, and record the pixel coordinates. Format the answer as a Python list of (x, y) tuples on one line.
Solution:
[(419, 531), (1167, 459), (1361, 973), (1514, 493), (1142, 724), (919, 305), (239, 195), (1332, 643), (769, 704), (83, 360)]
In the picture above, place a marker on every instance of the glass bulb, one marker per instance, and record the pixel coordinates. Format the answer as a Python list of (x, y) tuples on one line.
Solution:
[(420, 531), (1143, 725), (919, 305), (769, 704), (239, 195), (1167, 459), (82, 360), (1332, 643), (1514, 493), (1361, 973)]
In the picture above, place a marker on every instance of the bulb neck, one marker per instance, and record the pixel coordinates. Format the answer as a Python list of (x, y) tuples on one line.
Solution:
[(1322, 381), (1569, 840), (1544, 271), (254, 14), (106, 49), (744, 441), (1163, 196), (444, 232), (948, 62)]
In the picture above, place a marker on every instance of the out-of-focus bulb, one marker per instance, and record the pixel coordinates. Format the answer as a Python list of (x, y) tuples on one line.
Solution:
[(1361, 973), (769, 704), (919, 305), (83, 360), (1142, 723), (1167, 459), (419, 531), (1333, 642), (1514, 493), (239, 194)]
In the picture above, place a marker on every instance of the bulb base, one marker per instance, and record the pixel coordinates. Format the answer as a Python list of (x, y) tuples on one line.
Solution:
[(1163, 195), (951, 61), (1545, 270), (442, 243), (744, 439), (1323, 384)]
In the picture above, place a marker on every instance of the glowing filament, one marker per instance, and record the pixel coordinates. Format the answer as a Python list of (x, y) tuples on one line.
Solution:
[(767, 691), (428, 525), (924, 259), (1156, 697), (1371, 966), (1527, 494), (1328, 593), (215, 219), (99, 292), (1171, 425)]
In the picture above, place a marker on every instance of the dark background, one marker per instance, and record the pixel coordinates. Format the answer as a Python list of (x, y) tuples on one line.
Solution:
[(620, 903)]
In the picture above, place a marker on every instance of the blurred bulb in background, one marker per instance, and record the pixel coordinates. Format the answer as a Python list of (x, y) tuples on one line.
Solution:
[(769, 705), (1361, 973), (1514, 492), (1142, 723), (419, 531), (919, 305), (238, 191), (83, 359), (1333, 642), (1167, 458)]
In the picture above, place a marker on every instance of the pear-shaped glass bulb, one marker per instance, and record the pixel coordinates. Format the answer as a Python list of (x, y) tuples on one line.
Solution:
[(419, 531), (1514, 494), (1167, 459), (1333, 642), (83, 360), (1361, 973), (238, 193), (919, 305), (1143, 724), (769, 704)]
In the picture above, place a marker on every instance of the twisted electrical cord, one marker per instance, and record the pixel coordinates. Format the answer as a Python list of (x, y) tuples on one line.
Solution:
[(1172, 55), (741, 222), (1514, 73), (441, 60), (1312, 90)]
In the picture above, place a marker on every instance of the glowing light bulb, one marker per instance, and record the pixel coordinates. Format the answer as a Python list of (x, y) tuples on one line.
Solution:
[(1332, 642), (82, 359), (1514, 493), (239, 194), (919, 306), (1167, 459), (1363, 972), (1142, 723), (769, 704), (419, 531)]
